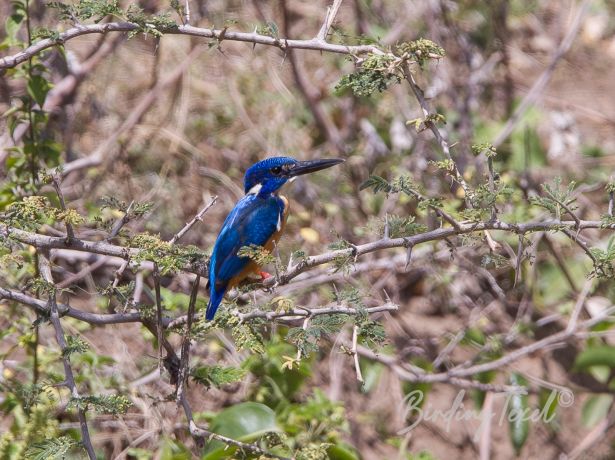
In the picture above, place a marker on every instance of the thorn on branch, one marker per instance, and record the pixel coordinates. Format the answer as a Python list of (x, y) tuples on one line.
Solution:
[(408, 256), (357, 365), (197, 218)]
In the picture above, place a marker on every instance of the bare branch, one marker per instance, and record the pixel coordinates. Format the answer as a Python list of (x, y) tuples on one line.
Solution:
[(187, 12), (45, 270), (197, 218), (159, 326), (329, 19), (297, 313), (70, 233), (420, 97), (64, 310), (355, 354), (97, 247), (185, 349), (282, 43), (117, 226), (574, 317)]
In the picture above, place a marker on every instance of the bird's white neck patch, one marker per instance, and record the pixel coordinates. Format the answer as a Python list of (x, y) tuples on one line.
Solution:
[(292, 179), (254, 190)]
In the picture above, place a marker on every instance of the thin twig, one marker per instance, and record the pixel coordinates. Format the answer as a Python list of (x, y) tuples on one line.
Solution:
[(83, 273), (484, 444), (197, 218), (70, 232), (187, 12), (119, 223), (574, 317), (420, 97), (185, 348), (566, 208), (45, 270), (159, 325), (329, 19), (99, 247), (355, 355)]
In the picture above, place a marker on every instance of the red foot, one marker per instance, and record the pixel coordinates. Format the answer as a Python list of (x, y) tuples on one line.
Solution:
[(264, 275)]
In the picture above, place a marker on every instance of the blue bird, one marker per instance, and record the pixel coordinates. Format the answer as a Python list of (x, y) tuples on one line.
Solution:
[(257, 219)]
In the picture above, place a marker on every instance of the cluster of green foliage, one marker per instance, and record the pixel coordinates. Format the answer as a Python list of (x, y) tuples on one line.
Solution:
[(97, 10), (170, 257), (26, 116), (377, 71)]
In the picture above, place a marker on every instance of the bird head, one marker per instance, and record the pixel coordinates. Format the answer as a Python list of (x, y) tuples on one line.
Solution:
[(269, 175)]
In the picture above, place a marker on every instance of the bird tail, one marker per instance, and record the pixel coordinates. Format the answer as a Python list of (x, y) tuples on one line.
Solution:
[(215, 298)]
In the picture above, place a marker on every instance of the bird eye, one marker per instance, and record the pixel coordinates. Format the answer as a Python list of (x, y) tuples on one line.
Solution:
[(276, 169)]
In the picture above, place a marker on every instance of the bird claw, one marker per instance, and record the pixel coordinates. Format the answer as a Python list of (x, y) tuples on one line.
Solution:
[(264, 275)]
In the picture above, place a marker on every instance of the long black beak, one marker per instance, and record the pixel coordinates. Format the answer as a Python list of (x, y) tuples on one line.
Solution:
[(310, 166)]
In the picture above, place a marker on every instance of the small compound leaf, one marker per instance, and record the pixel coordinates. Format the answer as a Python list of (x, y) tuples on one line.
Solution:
[(603, 355)]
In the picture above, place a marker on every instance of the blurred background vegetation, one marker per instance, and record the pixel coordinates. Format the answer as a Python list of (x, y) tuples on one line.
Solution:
[(164, 122)]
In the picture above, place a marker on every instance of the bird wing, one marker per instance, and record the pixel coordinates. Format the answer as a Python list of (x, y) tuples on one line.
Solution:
[(253, 221)]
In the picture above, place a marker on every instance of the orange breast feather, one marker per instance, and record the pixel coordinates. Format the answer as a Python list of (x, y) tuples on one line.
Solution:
[(252, 268)]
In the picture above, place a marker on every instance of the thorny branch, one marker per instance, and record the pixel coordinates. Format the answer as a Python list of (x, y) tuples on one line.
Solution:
[(98, 247), (198, 218), (315, 44)]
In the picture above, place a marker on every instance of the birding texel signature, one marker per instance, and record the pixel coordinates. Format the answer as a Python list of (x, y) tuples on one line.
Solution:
[(510, 411)]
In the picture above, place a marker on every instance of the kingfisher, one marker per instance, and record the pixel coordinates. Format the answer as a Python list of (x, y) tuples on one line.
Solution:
[(257, 219)]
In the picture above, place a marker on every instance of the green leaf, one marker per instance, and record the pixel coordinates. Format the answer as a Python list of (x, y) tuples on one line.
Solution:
[(377, 183), (371, 375), (518, 422), (375, 74), (38, 87), (595, 409), (339, 452), (51, 449), (603, 355), (217, 375), (12, 25), (547, 400), (243, 422)]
